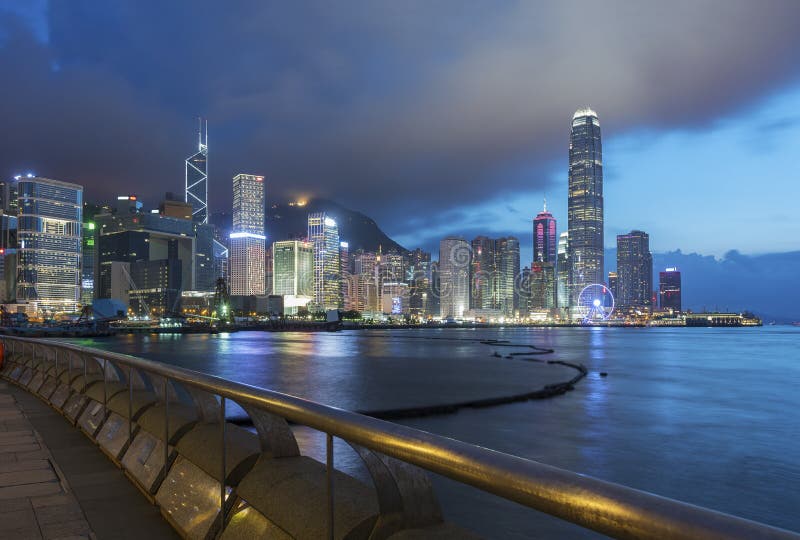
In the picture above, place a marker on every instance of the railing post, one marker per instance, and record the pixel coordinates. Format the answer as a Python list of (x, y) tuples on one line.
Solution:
[(329, 478), (105, 388), (130, 403), (166, 425), (224, 469)]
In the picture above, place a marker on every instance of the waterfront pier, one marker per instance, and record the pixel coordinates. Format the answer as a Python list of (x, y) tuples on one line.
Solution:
[(162, 432)]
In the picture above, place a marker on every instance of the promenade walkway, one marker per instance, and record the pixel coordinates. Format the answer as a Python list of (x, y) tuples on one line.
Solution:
[(56, 485)]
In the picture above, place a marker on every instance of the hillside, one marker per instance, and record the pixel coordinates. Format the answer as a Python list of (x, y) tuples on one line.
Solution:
[(359, 231)]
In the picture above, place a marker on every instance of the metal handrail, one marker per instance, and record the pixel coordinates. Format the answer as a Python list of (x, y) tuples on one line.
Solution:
[(605, 507)]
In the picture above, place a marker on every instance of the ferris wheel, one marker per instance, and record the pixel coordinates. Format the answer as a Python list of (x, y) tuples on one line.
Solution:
[(595, 303)]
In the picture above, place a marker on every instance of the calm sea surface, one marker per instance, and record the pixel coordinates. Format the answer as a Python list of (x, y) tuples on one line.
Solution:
[(707, 416)]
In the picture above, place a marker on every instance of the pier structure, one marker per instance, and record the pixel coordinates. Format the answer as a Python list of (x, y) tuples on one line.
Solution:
[(165, 427)]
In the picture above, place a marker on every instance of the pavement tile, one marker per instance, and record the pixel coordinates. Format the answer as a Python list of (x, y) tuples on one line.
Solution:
[(19, 440), (52, 500), (16, 448), (36, 476), (19, 524), (34, 454), (26, 465), (29, 490), (51, 531), (11, 434), (12, 505), (58, 513)]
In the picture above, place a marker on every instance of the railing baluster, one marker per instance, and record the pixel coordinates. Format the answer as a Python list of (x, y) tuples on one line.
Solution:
[(130, 404), (105, 387), (329, 477), (224, 469), (166, 425)]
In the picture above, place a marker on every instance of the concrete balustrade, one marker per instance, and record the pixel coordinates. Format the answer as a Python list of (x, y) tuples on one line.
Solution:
[(196, 476), (144, 461)]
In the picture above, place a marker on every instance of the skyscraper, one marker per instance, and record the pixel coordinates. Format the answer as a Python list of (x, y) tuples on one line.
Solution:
[(634, 270), (483, 274), (669, 289), (197, 176), (323, 233), (563, 271), (507, 261), (544, 237), (420, 282), (248, 242), (453, 274), (49, 237), (293, 273), (543, 269), (585, 203)]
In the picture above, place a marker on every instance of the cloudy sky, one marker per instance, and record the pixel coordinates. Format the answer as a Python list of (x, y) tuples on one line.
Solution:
[(434, 118)]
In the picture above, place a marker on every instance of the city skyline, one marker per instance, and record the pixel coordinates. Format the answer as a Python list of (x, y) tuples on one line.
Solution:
[(723, 139)]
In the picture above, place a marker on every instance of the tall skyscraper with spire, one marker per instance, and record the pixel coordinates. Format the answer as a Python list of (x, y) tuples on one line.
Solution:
[(197, 176), (544, 236), (585, 203), (543, 268)]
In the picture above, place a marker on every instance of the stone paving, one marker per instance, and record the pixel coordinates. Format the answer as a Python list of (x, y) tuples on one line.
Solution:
[(55, 484), (35, 499)]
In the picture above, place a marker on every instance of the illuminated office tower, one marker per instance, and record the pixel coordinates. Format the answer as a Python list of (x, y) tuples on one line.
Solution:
[(544, 237), (585, 202), (293, 273), (543, 277), (634, 270), (542, 285), (453, 274), (248, 242), (507, 262), (365, 270), (613, 279), (49, 238), (483, 276), (196, 192), (419, 279), (88, 259), (323, 233), (669, 289), (349, 287), (562, 271)]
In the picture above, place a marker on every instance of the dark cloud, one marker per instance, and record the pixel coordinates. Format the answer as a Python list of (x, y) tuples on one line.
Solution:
[(402, 110)]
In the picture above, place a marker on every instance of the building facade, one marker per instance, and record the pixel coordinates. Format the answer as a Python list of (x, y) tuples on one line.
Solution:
[(49, 235), (483, 276), (585, 203), (545, 240), (323, 233), (669, 289), (508, 265), (247, 252), (634, 271), (293, 273), (562, 273), (454, 277)]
